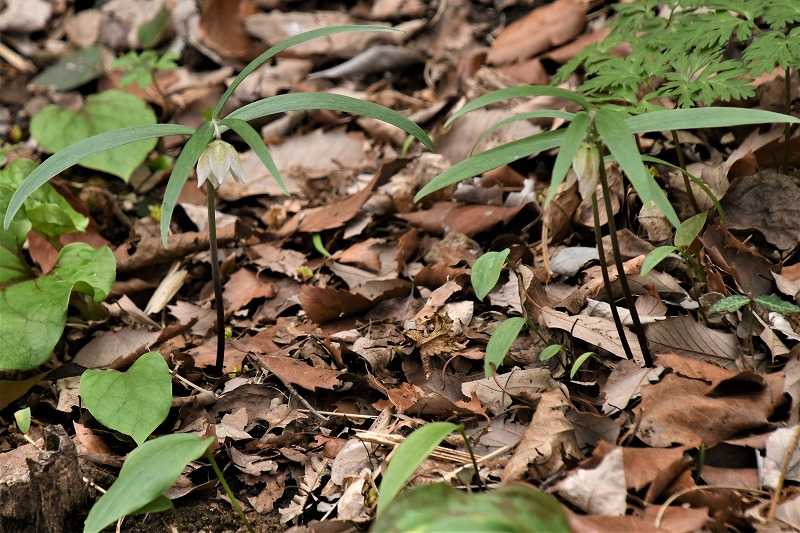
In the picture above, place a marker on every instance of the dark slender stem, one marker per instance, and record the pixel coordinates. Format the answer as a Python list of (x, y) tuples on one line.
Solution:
[(598, 236), (682, 163), (623, 278), (787, 129), (228, 491), (472, 456), (215, 274)]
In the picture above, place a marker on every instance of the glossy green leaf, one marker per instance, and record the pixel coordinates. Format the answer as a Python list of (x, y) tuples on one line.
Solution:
[(55, 128), (729, 304), (148, 471), (71, 155), (180, 173), (549, 352), (655, 257), (704, 117), (283, 103), (408, 456), (517, 91), (33, 313), (689, 229), (256, 143), (439, 508), (500, 342), (23, 419), (570, 143), (579, 362), (486, 271), (529, 115), (288, 43), (776, 304), (496, 157), (134, 402), (618, 138)]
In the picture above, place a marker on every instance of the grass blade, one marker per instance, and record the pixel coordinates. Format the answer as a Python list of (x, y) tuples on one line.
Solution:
[(288, 43), (502, 155), (181, 172), (256, 143), (697, 181), (71, 155), (518, 91), (618, 138), (335, 102), (704, 117), (542, 113), (571, 142)]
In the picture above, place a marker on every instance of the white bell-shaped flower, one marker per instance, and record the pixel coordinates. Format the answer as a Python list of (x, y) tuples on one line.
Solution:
[(217, 161)]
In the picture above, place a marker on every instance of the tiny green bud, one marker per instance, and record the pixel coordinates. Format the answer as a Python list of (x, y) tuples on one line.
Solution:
[(217, 161)]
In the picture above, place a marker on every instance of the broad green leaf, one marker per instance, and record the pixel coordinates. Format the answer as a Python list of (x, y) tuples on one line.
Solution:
[(500, 342), (486, 271), (689, 229), (283, 103), (517, 91), (72, 70), (33, 313), (159, 505), (134, 402), (71, 155), (23, 419), (704, 117), (439, 508), (181, 172), (408, 456), (56, 127), (529, 115), (654, 258), (618, 138), (570, 143), (496, 157), (776, 304), (549, 352), (697, 181), (256, 143), (148, 471), (316, 240), (579, 362), (288, 43), (729, 304)]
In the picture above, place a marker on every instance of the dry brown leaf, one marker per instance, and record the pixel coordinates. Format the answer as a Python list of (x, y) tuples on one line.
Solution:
[(600, 490), (116, 349), (447, 217), (298, 373), (205, 355), (686, 336), (625, 383), (323, 304), (611, 524), (221, 28), (643, 465), (498, 392), (594, 330), (242, 288)]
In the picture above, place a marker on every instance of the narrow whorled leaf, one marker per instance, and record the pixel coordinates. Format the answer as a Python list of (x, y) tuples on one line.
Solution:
[(570, 143), (518, 91), (23, 419), (500, 342), (283, 103), (529, 115), (549, 352), (694, 179), (486, 271), (689, 229), (288, 43), (71, 155), (181, 172), (704, 117), (496, 157), (618, 138), (148, 471), (579, 362), (256, 143), (729, 304), (134, 402), (776, 304), (654, 258), (408, 456)]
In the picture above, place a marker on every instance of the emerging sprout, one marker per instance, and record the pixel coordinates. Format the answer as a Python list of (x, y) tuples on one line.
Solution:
[(217, 161)]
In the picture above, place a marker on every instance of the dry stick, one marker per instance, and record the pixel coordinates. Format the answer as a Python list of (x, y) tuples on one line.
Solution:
[(623, 278), (215, 274), (477, 474), (682, 163), (598, 236), (787, 458)]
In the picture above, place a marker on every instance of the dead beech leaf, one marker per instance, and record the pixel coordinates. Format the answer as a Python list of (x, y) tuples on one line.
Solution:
[(498, 393), (643, 465), (447, 217), (549, 439), (611, 524), (750, 269), (276, 259), (221, 28), (298, 373), (599, 491), (243, 287), (206, 355), (625, 383), (116, 349), (594, 330), (545, 27), (323, 304), (777, 447), (336, 214), (686, 336), (788, 280)]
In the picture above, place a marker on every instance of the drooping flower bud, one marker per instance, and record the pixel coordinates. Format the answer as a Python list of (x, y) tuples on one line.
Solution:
[(217, 161), (586, 166)]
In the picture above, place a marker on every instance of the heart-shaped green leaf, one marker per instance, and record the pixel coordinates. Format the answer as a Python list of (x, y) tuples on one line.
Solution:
[(148, 471), (486, 271), (500, 342), (33, 312), (56, 127), (133, 402)]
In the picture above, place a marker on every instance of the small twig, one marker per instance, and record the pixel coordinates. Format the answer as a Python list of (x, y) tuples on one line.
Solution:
[(477, 474), (678, 494), (16, 60), (787, 459), (229, 492)]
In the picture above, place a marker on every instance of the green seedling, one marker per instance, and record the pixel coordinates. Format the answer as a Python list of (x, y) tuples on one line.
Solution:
[(140, 67), (685, 236), (747, 306)]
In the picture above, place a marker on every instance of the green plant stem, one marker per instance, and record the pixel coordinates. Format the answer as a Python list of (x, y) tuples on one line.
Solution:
[(215, 274), (682, 164), (623, 278), (787, 103), (598, 236), (229, 492), (471, 456)]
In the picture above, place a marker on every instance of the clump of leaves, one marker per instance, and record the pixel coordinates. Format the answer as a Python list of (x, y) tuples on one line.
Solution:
[(140, 67)]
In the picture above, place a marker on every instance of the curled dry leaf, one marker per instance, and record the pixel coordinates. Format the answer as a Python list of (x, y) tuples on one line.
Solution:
[(599, 491), (323, 304), (116, 349)]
